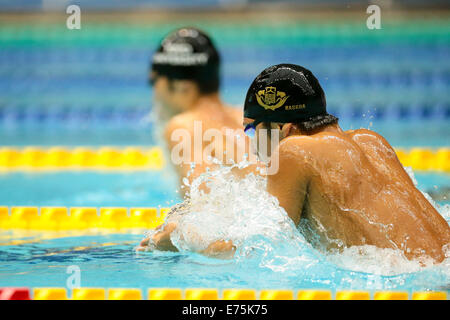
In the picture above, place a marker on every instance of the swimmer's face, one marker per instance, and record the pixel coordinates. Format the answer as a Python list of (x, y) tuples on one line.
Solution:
[(175, 95), (265, 137)]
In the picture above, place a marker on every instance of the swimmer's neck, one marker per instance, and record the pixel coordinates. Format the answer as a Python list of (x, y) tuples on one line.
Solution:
[(206, 101), (202, 103), (292, 129)]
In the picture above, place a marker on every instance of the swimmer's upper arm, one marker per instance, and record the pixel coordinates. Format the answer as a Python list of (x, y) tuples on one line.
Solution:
[(290, 183)]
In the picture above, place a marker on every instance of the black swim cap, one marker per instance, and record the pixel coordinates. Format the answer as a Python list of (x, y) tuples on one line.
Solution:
[(188, 54), (285, 93)]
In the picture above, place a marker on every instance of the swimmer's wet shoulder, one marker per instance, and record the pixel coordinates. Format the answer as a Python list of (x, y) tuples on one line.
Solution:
[(337, 185), (375, 148), (304, 161), (349, 185), (185, 76)]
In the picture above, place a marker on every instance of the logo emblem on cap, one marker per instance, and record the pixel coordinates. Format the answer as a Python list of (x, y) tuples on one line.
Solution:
[(270, 98)]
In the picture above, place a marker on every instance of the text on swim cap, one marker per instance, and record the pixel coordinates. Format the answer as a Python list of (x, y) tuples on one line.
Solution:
[(180, 59), (295, 107)]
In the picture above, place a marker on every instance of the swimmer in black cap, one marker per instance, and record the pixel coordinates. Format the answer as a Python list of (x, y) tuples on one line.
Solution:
[(185, 79), (347, 186), (185, 75)]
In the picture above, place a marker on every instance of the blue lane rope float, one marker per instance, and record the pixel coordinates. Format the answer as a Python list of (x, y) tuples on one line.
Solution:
[(128, 116)]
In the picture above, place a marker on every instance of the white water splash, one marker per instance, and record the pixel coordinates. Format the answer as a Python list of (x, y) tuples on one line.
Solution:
[(241, 210), (380, 261)]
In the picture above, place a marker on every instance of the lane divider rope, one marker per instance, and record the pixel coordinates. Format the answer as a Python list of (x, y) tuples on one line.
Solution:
[(114, 116), (423, 159), (80, 218), (134, 158), (81, 158), (210, 294)]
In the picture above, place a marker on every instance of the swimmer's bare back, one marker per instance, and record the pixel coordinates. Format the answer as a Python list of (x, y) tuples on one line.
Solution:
[(354, 191)]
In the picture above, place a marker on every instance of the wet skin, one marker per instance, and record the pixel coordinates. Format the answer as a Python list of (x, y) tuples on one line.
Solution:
[(350, 186), (219, 249), (354, 191), (184, 106), (211, 116)]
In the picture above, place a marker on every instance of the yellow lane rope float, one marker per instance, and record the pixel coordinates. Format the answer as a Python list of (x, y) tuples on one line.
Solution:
[(213, 294), (422, 159), (136, 158), (119, 219), (80, 218), (60, 158)]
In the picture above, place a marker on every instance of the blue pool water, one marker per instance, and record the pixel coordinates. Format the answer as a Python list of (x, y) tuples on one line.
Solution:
[(90, 89), (139, 189), (40, 259), (43, 263)]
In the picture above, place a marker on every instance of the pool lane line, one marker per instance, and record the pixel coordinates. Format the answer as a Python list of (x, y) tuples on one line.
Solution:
[(37, 236), (25, 293), (80, 158), (59, 219), (116, 116), (136, 158)]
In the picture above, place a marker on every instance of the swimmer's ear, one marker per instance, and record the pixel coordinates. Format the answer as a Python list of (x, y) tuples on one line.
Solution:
[(184, 86), (287, 130)]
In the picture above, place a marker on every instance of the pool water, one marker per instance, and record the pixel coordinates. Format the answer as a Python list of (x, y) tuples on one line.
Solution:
[(89, 88), (95, 189), (138, 189), (44, 263), (41, 259)]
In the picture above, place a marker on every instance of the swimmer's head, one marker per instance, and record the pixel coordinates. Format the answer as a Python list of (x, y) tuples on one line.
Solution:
[(185, 64), (286, 93)]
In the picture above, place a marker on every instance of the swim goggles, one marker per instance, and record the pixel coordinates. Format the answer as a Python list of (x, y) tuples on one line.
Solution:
[(250, 129), (151, 81)]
